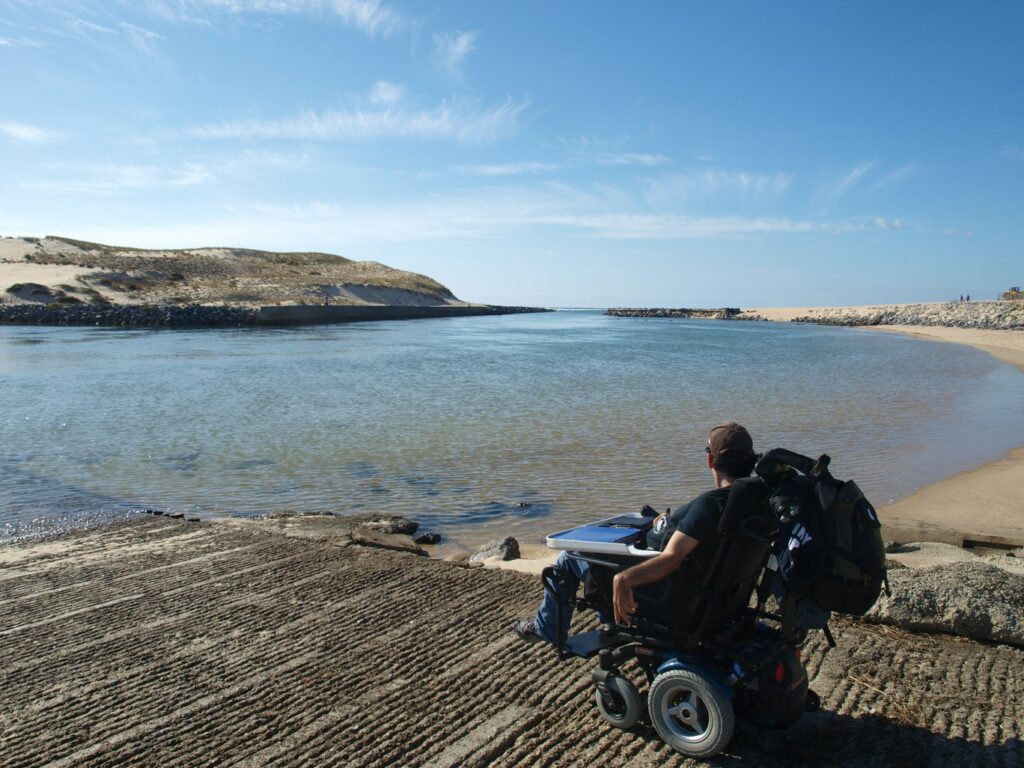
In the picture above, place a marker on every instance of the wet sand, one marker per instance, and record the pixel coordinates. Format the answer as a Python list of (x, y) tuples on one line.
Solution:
[(981, 505), (161, 642)]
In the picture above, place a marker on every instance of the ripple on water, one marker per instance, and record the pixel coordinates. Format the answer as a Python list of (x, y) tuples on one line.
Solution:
[(576, 414)]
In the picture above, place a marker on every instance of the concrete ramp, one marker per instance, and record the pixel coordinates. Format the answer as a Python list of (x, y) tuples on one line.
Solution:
[(161, 642)]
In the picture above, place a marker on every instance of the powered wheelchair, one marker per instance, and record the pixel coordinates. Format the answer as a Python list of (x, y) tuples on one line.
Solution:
[(706, 643)]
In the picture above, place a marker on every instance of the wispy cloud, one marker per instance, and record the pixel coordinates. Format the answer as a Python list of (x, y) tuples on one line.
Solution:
[(30, 134), (902, 173), (87, 27), (19, 42), (372, 17), (1013, 152), (454, 119), (450, 48), (678, 227), (598, 212), (114, 178), (631, 158), (594, 150), (835, 190), (384, 93), (673, 187), (111, 178), (888, 224), (523, 167), (508, 169)]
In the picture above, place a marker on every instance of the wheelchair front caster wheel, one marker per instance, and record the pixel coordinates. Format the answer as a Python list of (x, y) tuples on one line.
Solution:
[(619, 703), (813, 702), (690, 713)]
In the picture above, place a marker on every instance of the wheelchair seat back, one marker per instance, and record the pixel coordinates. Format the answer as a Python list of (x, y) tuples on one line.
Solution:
[(694, 604)]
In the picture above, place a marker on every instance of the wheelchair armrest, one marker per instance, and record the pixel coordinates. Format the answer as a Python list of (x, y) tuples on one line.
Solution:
[(619, 563)]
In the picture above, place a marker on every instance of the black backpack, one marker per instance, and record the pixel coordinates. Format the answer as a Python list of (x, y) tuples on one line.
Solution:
[(830, 545)]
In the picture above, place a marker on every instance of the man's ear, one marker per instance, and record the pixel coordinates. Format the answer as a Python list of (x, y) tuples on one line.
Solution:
[(711, 462)]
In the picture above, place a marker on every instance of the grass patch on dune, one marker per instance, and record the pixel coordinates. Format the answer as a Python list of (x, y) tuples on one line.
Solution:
[(226, 275)]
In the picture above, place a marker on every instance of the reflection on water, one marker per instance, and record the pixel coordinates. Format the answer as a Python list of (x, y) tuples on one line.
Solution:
[(517, 425)]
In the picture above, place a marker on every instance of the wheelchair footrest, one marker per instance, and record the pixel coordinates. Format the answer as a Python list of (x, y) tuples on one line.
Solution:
[(588, 644)]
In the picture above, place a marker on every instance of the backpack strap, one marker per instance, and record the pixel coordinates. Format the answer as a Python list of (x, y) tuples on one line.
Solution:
[(769, 462)]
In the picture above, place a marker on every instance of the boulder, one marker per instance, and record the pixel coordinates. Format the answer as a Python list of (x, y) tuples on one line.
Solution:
[(975, 599), (428, 538), (503, 549)]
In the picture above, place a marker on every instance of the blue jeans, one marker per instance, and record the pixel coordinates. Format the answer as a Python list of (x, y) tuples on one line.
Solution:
[(574, 571)]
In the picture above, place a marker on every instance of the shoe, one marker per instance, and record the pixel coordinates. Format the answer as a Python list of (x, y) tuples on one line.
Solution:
[(526, 630)]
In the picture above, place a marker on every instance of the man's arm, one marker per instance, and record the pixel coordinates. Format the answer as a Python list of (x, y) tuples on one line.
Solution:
[(656, 568)]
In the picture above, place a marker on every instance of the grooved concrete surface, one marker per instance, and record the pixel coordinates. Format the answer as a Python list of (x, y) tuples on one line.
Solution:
[(160, 642)]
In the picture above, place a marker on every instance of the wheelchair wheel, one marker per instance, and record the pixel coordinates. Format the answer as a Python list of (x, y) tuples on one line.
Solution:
[(690, 713), (622, 706)]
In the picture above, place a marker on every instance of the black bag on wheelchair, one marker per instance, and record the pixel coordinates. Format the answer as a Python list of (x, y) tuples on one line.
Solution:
[(830, 548)]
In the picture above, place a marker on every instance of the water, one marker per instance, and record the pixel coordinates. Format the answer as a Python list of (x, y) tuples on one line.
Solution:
[(476, 426)]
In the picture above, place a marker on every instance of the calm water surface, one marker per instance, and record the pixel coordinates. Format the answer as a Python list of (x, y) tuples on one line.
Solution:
[(477, 426)]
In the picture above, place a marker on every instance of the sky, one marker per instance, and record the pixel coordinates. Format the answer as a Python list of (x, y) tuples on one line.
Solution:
[(558, 154)]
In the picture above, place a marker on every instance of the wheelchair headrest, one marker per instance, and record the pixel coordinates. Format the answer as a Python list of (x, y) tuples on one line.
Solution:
[(748, 497)]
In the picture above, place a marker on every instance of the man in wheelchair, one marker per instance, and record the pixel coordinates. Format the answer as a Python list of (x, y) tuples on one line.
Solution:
[(690, 533), (673, 593)]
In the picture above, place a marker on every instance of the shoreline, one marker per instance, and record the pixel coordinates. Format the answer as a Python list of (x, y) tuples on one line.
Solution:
[(944, 511), (949, 507)]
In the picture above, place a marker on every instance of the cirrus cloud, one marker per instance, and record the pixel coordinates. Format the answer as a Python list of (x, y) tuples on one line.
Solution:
[(453, 119), (29, 134)]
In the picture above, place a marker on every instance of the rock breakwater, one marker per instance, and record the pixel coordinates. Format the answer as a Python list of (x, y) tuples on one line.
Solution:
[(991, 315), (206, 316), (723, 313), (129, 315)]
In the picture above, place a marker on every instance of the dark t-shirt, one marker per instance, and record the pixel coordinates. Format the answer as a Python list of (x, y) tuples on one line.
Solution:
[(699, 520)]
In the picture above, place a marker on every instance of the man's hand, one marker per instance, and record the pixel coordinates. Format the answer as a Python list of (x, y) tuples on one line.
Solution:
[(622, 600), (658, 567)]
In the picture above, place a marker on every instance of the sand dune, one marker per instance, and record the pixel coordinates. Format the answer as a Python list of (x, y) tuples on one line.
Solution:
[(74, 271)]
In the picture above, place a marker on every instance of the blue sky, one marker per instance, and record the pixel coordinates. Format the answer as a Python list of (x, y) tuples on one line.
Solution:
[(582, 154)]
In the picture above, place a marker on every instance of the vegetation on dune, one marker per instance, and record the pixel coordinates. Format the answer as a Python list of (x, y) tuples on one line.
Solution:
[(226, 275)]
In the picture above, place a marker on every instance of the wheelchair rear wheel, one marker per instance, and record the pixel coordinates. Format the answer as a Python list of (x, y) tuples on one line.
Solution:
[(621, 706), (690, 713)]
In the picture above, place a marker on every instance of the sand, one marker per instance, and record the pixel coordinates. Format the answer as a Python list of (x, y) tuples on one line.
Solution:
[(240, 277), (981, 504), (986, 502)]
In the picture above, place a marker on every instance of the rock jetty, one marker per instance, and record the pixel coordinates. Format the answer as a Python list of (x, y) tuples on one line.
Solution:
[(724, 313), (208, 316), (992, 315), (128, 315)]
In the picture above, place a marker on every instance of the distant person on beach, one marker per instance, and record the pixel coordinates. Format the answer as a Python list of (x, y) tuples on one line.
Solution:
[(961, 298), (690, 532)]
